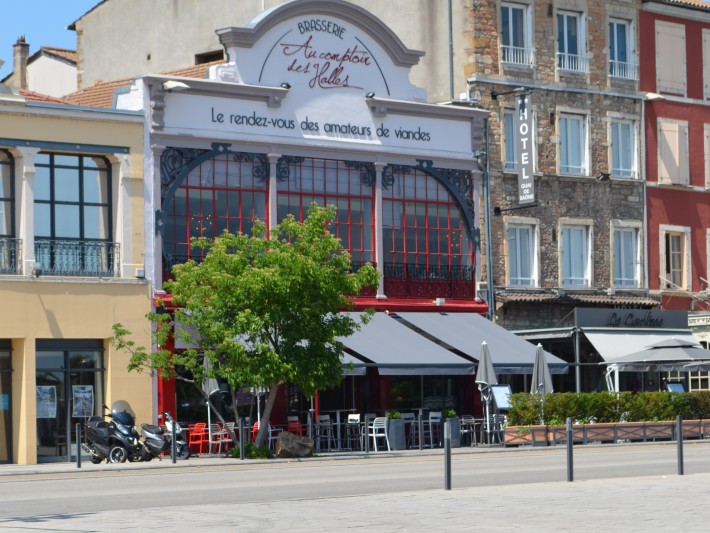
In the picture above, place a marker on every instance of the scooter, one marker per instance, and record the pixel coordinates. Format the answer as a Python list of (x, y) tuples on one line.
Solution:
[(156, 441), (117, 440)]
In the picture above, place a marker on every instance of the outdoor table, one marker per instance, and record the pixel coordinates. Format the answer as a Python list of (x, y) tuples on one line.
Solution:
[(338, 424)]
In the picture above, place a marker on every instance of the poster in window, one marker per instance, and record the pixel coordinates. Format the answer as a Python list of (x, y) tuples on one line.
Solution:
[(83, 401), (46, 401)]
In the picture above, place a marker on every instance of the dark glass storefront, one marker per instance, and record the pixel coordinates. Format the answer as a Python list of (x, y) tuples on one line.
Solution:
[(70, 377), (5, 403)]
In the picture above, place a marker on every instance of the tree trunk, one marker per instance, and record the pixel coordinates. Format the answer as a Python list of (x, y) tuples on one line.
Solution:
[(263, 434)]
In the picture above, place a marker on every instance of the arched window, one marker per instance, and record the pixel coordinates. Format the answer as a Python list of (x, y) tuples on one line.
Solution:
[(9, 245), (222, 193), (328, 182)]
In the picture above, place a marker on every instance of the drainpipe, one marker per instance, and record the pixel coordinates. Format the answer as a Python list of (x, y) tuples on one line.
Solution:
[(489, 233), (577, 368), (451, 53), (642, 177)]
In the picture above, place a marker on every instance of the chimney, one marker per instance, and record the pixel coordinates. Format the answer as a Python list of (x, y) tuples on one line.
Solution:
[(19, 69)]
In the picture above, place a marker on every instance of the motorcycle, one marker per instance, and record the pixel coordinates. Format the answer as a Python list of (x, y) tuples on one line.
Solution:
[(117, 440), (156, 441)]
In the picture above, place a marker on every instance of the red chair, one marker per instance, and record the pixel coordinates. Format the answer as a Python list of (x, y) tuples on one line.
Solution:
[(198, 438), (293, 425)]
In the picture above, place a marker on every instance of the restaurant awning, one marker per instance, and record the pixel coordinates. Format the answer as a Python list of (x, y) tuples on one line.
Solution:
[(612, 344), (466, 332), (352, 366), (397, 350)]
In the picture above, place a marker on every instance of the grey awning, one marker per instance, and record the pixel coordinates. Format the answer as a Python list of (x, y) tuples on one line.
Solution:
[(397, 350), (352, 366), (467, 331), (612, 344)]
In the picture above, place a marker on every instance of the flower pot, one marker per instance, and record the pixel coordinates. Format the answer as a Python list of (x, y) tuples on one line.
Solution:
[(455, 424), (395, 434)]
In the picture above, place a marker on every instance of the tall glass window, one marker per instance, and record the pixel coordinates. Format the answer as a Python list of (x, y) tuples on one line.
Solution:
[(570, 43), (511, 156), (9, 246), (623, 149), (515, 37), (328, 182), (220, 194), (5, 403), (72, 215), (575, 256), (626, 258), (521, 256), (573, 147), (621, 64)]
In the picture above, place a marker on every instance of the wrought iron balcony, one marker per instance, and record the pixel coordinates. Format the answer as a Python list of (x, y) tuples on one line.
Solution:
[(417, 281), (10, 254), (77, 258)]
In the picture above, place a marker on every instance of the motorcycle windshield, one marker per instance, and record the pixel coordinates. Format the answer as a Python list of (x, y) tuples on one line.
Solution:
[(122, 413)]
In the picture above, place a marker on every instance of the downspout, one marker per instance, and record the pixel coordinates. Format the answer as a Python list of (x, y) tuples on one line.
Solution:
[(451, 53), (489, 233), (577, 368), (642, 176)]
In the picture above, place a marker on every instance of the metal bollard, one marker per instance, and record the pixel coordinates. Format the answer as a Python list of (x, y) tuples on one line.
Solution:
[(679, 432), (570, 459), (78, 445), (173, 444), (447, 454), (421, 430), (241, 438), (367, 434)]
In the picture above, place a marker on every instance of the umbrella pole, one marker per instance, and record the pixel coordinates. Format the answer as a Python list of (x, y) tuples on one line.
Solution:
[(488, 421)]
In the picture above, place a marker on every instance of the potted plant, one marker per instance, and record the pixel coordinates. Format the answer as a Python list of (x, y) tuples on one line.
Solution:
[(454, 421), (395, 431)]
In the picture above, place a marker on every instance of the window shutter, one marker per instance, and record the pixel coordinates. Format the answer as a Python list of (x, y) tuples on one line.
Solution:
[(706, 64), (670, 58), (683, 155), (668, 144)]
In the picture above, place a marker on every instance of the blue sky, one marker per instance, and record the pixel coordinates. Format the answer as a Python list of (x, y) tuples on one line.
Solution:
[(42, 22)]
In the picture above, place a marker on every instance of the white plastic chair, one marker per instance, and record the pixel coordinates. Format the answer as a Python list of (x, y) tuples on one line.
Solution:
[(378, 430)]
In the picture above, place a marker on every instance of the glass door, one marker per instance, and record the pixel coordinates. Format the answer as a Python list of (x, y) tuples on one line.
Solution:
[(5, 405), (69, 390)]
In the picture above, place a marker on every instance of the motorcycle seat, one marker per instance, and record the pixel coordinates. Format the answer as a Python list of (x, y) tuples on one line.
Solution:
[(152, 428)]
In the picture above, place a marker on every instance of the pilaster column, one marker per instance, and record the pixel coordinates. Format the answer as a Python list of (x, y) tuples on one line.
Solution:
[(273, 190), (121, 186), (379, 245), (153, 240), (24, 204)]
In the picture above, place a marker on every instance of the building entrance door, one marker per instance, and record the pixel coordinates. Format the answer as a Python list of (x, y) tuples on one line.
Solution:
[(5, 404), (69, 390)]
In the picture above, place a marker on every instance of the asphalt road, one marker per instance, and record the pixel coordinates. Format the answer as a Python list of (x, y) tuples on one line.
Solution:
[(492, 490)]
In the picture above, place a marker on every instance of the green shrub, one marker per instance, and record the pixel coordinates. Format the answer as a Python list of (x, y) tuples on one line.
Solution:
[(554, 409), (251, 452)]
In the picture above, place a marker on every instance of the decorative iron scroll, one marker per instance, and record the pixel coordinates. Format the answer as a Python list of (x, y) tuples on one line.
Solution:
[(260, 162), (388, 174), (173, 160), (283, 170), (367, 171)]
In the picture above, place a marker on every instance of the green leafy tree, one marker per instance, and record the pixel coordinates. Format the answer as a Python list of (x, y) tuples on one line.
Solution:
[(264, 310)]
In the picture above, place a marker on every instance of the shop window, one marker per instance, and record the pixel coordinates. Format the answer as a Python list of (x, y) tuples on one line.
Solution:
[(221, 194), (5, 402), (72, 216), (327, 182)]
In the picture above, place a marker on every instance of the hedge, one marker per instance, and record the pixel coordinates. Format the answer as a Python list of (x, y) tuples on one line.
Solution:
[(553, 409)]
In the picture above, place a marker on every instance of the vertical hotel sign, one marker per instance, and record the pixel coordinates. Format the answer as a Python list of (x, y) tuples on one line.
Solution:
[(523, 123)]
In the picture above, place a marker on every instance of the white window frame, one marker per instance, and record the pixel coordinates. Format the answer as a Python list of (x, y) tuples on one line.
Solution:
[(629, 171), (623, 226), (627, 70), (706, 146), (567, 61), (564, 142), (665, 281), (533, 225), (581, 227), (521, 56), (707, 257), (672, 137), (671, 62)]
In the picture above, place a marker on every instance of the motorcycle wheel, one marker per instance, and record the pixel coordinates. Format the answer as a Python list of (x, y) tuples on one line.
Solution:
[(117, 454), (95, 459), (184, 453)]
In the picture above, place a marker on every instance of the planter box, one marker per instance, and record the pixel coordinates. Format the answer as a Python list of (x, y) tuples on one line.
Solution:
[(692, 429), (660, 430), (558, 434), (395, 434), (631, 431), (455, 424), (521, 435)]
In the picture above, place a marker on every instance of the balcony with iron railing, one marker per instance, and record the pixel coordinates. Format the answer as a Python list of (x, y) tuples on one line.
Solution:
[(77, 258), (515, 55), (10, 254), (400, 280), (623, 70), (576, 63)]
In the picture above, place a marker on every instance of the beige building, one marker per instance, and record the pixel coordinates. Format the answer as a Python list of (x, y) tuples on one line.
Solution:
[(71, 266)]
